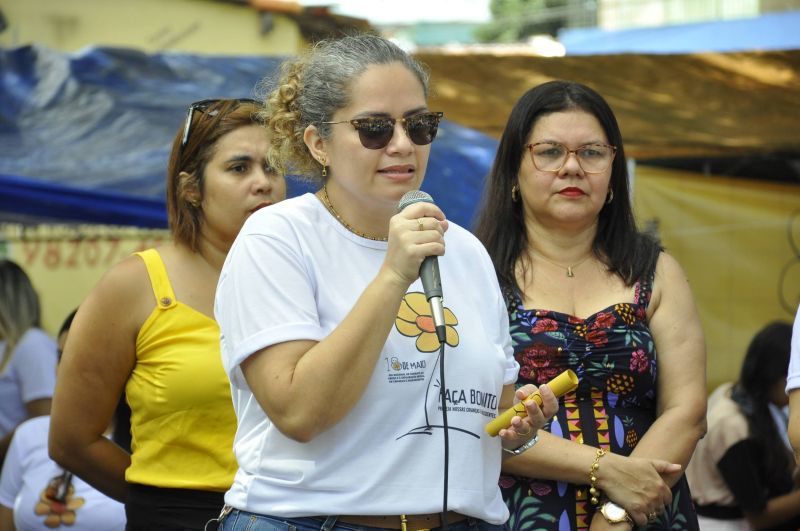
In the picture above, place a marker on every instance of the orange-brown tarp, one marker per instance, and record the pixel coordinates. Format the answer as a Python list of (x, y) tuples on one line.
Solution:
[(709, 104)]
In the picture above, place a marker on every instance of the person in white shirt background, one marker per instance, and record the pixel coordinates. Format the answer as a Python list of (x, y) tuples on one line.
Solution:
[(741, 473), (36, 494), (27, 354)]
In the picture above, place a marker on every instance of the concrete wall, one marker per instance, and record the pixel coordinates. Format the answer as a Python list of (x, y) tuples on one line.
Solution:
[(195, 26)]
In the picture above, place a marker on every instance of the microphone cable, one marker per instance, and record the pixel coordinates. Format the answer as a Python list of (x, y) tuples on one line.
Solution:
[(446, 434)]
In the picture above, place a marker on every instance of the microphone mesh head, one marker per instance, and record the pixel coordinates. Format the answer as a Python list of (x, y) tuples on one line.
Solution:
[(413, 196)]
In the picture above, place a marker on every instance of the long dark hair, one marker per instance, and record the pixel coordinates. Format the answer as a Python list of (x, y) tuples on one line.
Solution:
[(765, 364), (501, 225)]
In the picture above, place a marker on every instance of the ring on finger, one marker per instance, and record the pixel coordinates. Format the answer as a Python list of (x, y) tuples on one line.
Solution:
[(420, 224), (652, 517)]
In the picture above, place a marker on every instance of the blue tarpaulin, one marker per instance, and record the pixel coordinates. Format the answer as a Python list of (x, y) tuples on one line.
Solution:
[(85, 137), (770, 31)]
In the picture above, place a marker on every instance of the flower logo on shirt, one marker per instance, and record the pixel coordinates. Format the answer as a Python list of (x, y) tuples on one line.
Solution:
[(414, 320), (57, 502)]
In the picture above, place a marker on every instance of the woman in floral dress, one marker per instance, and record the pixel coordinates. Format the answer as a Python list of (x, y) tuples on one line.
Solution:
[(586, 291)]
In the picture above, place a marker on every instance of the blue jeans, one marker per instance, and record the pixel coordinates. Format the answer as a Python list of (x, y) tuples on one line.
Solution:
[(238, 520)]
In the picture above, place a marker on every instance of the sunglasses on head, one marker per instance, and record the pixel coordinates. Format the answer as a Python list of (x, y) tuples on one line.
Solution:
[(376, 132), (203, 106)]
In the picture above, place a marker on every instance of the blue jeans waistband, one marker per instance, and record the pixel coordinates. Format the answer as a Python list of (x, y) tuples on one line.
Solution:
[(238, 520)]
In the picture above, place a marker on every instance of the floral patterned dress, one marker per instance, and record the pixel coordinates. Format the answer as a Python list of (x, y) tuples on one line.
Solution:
[(614, 356)]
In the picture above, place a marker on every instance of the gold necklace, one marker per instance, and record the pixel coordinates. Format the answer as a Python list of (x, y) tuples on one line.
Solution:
[(327, 202), (569, 268)]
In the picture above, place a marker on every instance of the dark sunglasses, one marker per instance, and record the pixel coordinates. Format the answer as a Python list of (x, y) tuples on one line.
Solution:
[(203, 106), (376, 132)]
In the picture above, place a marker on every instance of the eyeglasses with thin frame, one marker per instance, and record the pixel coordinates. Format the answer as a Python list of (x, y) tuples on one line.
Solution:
[(376, 132), (552, 156), (203, 106)]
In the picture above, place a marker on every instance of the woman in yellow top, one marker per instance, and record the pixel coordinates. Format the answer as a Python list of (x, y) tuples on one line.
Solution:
[(147, 328)]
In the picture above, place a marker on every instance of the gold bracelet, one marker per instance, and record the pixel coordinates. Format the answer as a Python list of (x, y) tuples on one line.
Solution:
[(594, 494)]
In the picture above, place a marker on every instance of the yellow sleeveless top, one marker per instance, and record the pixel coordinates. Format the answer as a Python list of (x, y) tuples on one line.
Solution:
[(182, 418)]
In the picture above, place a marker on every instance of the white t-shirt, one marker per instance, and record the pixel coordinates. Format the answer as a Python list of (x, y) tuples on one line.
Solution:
[(293, 273), (29, 375), (793, 376), (28, 471)]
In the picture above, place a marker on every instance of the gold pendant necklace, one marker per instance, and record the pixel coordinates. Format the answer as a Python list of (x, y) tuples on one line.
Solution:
[(327, 202), (569, 268)]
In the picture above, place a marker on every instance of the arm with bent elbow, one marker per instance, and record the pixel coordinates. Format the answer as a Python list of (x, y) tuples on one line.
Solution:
[(305, 387), (681, 386), (98, 359), (636, 484)]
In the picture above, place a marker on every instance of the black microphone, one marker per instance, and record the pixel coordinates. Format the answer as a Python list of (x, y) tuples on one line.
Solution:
[(429, 270)]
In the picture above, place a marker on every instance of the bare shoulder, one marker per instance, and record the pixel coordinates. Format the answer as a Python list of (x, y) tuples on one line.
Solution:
[(672, 303), (126, 278), (668, 268), (101, 347), (670, 284), (123, 294)]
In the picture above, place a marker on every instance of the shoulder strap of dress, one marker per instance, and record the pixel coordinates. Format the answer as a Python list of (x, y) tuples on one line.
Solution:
[(162, 288), (513, 299), (643, 289)]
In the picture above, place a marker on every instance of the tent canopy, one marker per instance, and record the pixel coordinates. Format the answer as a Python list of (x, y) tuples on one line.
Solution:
[(85, 137), (770, 31), (710, 104)]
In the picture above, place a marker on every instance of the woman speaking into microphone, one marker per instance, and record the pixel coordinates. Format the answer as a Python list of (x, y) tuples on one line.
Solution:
[(327, 335)]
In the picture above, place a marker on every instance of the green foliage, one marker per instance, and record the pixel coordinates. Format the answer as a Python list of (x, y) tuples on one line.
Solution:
[(516, 20)]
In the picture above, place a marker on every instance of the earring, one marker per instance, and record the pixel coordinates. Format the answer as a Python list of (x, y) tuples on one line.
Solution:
[(610, 196), (324, 161), (194, 202), (515, 193)]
